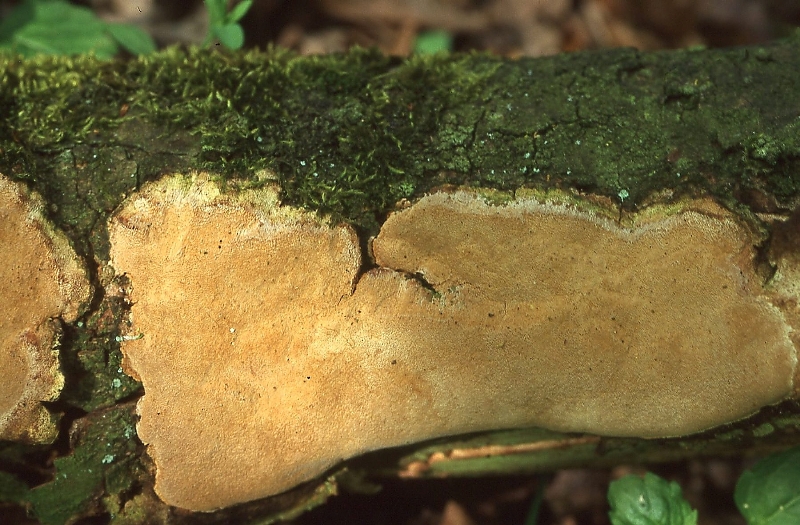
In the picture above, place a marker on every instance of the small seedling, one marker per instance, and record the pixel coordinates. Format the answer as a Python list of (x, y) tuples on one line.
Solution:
[(767, 494), (648, 501), (432, 42), (223, 24)]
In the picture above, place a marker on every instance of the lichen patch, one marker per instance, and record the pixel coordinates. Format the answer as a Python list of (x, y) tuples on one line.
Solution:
[(41, 279), (267, 360)]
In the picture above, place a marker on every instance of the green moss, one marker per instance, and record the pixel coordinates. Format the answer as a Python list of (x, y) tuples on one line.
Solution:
[(104, 458), (352, 134), (763, 430)]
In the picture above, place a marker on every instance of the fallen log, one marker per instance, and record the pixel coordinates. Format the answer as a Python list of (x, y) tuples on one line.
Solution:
[(599, 250)]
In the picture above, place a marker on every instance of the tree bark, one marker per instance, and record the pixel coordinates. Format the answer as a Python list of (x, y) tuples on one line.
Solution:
[(350, 136)]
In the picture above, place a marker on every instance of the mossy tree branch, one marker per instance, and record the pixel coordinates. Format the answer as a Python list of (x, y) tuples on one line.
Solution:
[(351, 135)]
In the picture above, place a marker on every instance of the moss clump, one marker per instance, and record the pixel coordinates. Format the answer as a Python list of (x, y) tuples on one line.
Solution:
[(105, 459), (351, 134)]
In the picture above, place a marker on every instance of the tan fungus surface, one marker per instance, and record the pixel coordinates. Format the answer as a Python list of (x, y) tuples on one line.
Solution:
[(40, 279), (264, 364)]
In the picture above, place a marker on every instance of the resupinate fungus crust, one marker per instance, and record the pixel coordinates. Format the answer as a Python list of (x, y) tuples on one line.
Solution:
[(41, 279), (268, 356)]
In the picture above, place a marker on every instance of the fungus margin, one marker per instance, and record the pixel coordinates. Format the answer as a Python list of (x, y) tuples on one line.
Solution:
[(41, 280)]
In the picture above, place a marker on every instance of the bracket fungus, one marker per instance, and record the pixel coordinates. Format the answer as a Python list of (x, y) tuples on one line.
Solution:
[(41, 279), (268, 355)]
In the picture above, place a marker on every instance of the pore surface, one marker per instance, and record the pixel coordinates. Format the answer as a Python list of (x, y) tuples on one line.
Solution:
[(264, 363)]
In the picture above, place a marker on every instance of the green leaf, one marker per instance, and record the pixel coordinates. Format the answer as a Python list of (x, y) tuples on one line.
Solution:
[(769, 493), (239, 11), (55, 27), (18, 18), (216, 11), (431, 42), (230, 36), (648, 501), (132, 38)]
